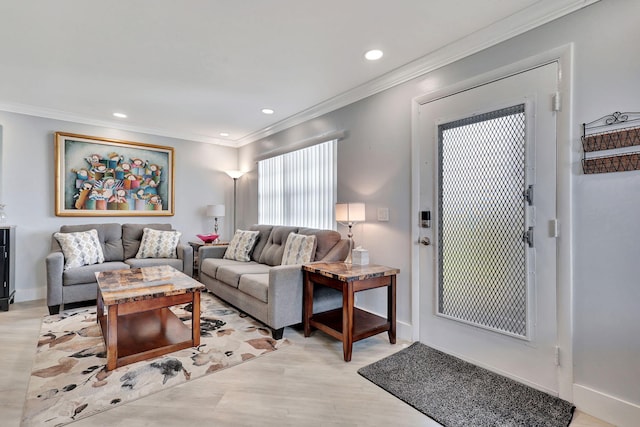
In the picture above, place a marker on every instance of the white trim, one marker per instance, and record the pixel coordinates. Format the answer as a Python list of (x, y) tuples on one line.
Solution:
[(404, 331), (537, 14), (606, 407), (527, 19), (30, 294), (53, 114), (564, 133)]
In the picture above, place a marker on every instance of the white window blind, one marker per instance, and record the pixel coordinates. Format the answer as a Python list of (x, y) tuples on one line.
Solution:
[(299, 188)]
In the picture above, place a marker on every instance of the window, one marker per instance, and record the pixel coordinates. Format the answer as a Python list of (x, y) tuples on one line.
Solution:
[(299, 188), (483, 270)]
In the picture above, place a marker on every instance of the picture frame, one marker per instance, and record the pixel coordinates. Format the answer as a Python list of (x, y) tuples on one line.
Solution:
[(109, 177)]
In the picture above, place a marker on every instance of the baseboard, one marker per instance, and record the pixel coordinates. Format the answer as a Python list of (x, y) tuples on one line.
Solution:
[(404, 331), (607, 408), (30, 294)]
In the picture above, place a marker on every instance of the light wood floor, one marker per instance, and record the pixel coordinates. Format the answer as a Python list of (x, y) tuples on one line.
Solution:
[(306, 384)]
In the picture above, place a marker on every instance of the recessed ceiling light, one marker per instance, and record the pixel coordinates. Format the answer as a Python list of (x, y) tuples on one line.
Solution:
[(224, 134), (267, 111), (120, 115), (373, 55)]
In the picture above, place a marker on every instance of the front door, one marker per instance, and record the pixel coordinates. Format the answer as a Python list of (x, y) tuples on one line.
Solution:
[(488, 178)]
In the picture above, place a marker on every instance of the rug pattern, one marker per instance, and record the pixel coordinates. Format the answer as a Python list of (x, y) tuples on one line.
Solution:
[(456, 393), (69, 382)]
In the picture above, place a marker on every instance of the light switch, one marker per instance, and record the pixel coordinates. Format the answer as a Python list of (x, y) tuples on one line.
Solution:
[(383, 214)]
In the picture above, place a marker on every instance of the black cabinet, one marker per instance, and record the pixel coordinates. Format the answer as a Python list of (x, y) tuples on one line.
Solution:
[(7, 266)]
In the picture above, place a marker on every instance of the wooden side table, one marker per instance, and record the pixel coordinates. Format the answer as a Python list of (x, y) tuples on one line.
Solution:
[(196, 245), (349, 324)]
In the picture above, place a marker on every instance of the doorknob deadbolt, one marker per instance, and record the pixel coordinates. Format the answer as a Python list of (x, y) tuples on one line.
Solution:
[(424, 241)]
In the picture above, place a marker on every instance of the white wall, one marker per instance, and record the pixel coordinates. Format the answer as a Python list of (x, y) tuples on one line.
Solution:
[(374, 167), (28, 187)]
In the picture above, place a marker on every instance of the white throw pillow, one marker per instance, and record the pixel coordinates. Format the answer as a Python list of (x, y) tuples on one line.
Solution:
[(241, 245), (158, 244), (298, 249), (80, 248)]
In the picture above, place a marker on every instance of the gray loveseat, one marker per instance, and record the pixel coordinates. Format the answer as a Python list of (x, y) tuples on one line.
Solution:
[(262, 287), (120, 243)]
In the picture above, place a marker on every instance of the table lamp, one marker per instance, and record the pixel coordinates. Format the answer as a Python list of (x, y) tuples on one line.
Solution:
[(215, 211), (348, 214)]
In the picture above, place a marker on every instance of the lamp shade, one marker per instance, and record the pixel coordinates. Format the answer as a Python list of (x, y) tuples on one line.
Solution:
[(350, 212), (215, 210), (235, 174)]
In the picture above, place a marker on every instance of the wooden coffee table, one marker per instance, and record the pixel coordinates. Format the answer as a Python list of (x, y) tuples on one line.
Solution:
[(134, 314)]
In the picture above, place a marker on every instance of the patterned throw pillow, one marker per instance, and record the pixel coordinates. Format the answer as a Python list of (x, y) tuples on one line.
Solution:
[(158, 244), (80, 248), (241, 245), (298, 249)]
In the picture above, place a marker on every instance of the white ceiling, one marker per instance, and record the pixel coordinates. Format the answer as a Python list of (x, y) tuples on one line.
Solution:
[(195, 68)]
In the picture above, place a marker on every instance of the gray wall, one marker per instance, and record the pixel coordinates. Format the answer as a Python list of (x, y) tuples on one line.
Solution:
[(28, 188), (374, 167)]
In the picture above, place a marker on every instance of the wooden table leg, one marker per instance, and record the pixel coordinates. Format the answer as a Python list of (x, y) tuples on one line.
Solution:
[(111, 340), (100, 307), (195, 319), (307, 299), (391, 309), (347, 320)]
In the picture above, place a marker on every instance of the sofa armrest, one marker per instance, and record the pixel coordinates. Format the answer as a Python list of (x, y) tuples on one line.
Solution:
[(55, 267), (185, 253), (338, 253), (205, 252), (285, 295)]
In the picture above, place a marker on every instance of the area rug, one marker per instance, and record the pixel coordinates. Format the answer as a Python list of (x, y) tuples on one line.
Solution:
[(69, 382), (456, 393)]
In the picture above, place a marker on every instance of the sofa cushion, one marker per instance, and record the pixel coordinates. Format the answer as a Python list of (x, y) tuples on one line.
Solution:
[(110, 236), (132, 235), (263, 236), (209, 266), (158, 244), (230, 274), (80, 248), (178, 264), (325, 240), (273, 250), (256, 285), (299, 249), (241, 245), (87, 273)]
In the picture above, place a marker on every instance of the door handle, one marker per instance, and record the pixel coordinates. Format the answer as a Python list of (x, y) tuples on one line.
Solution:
[(424, 241)]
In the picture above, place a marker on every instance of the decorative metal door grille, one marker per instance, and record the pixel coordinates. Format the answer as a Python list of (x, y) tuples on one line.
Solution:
[(482, 257)]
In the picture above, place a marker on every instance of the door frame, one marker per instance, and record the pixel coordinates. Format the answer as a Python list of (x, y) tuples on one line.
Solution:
[(563, 56)]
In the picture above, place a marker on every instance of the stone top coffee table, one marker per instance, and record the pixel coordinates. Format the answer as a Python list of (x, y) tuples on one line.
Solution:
[(134, 314)]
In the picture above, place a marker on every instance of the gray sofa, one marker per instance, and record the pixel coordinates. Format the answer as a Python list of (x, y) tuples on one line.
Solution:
[(120, 243), (264, 289)]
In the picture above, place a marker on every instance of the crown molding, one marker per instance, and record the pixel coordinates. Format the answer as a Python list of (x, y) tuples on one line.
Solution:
[(527, 19), (76, 118), (538, 14)]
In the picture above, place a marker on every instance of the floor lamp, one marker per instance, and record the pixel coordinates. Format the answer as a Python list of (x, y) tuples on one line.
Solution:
[(348, 214), (235, 175)]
